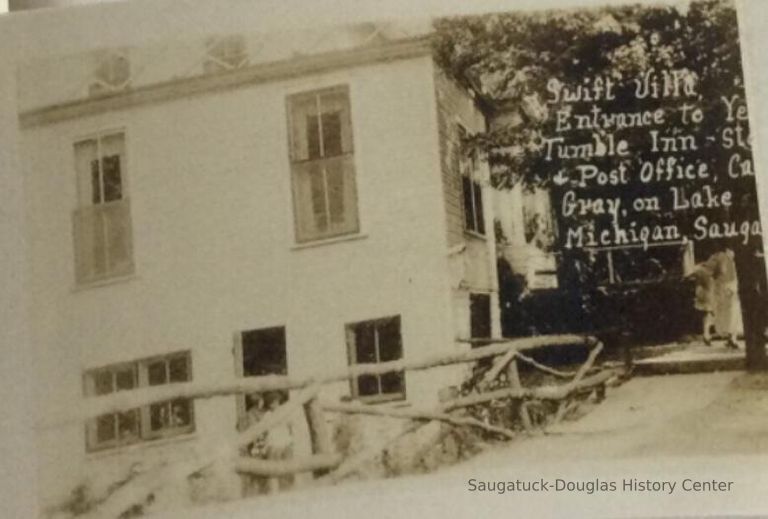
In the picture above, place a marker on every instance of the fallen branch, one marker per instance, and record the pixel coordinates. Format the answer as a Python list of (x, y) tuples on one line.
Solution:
[(499, 363), (357, 460), (124, 400), (414, 414), (541, 393), (279, 416), (278, 468), (545, 368)]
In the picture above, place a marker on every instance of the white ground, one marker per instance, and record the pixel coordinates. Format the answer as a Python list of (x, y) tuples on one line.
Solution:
[(703, 426)]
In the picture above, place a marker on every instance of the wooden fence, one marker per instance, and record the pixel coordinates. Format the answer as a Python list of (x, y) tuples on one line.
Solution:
[(329, 466)]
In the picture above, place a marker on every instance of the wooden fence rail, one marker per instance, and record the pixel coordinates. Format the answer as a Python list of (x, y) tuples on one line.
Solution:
[(124, 400), (324, 462)]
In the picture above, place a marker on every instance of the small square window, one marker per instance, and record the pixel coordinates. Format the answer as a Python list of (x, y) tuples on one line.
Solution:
[(145, 423), (373, 342)]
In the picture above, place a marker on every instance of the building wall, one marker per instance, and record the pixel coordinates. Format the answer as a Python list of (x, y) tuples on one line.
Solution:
[(208, 179), (472, 257)]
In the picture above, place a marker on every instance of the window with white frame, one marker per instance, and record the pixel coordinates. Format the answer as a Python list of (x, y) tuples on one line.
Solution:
[(374, 342), (472, 191), (150, 422), (322, 166), (102, 221)]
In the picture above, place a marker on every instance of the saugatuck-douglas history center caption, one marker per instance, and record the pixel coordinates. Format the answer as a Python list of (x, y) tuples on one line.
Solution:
[(597, 485)]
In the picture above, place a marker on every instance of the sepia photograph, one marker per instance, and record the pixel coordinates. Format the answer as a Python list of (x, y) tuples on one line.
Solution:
[(273, 265)]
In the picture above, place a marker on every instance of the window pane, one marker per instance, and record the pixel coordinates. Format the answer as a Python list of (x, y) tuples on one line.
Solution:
[(466, 187), (128, 426), (332, 134), (87, 166), (117, 238), (112, 183), (304, 127), (479, 219), (337, 132), (335, 178), (105, 428), (159, 416), (156, 373), (480, 315), (392, 383), (125, 379), (95, 182), (181, 414), (178, 369), (313, 137), (112, 152), (318, 188), (365, 346), (102, 382), (368, 385), (390, 346)]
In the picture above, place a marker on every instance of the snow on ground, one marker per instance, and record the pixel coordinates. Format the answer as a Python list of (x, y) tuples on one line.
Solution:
[(701, 426), (698, 351)]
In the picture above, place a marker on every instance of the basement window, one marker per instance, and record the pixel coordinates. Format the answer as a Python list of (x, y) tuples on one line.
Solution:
[(374, 342), (151, 422)]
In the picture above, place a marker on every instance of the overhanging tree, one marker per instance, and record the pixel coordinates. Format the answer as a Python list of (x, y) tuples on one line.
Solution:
[(508, 59)]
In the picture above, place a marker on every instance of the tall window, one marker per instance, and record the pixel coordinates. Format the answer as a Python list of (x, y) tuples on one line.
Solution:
[(102, 221), (372, 342), (322, 167), (145, 423), (472, 191)]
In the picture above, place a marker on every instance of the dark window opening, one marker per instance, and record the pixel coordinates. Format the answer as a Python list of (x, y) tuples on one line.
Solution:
[(480, 317), (373, 342)]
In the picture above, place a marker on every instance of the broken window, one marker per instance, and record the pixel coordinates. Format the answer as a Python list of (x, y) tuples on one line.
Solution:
[(472, 191), (145, 423), (324, 192), (373, 342), (102, 221)]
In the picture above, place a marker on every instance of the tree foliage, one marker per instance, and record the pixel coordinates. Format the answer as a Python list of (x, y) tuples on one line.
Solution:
[(508, 58)]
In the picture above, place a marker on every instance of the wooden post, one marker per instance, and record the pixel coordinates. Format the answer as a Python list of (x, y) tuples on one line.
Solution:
[(320, 433), (513, 374)]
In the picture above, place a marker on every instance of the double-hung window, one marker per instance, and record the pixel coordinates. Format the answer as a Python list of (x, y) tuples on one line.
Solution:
[(472, 191), (322, 165), (374, 342), (145, 423), (102, 220)]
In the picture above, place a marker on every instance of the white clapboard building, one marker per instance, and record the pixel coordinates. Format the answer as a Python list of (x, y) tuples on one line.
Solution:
[(241, 206)]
